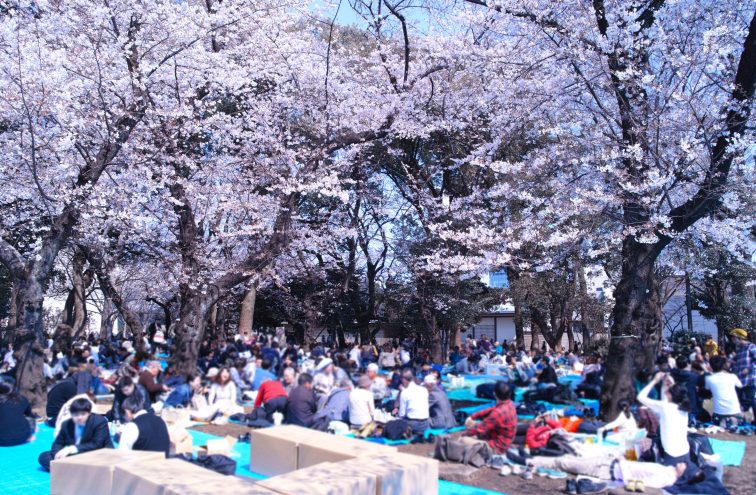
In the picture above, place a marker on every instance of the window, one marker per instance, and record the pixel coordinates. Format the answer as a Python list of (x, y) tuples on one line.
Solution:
[(498, 280)]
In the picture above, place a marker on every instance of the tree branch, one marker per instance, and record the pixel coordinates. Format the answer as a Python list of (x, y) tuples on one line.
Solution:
[(708, 197), (12, 259)]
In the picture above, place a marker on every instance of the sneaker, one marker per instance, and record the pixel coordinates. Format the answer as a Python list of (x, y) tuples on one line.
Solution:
[(570, 487), (527, 474), (553, 474), (588, 487), (640, 487), (517, 469), (506, 470)]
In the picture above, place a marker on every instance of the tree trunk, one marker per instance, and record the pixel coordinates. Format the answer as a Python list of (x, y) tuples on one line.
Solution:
[(189, 331), (29, 334), (570, 338), (534, 342), (637, 326), (513, 275), (247, 313), (106, 319), (102, 271)]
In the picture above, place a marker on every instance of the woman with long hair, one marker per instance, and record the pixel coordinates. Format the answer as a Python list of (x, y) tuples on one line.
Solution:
[(223, 392)]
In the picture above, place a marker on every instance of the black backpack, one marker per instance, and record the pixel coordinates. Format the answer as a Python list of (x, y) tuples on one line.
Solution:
[(397, 429)]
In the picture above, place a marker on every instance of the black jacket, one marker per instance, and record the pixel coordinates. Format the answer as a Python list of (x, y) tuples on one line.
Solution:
[(300, 410), (95, 435), (62, 392), (117, 413)]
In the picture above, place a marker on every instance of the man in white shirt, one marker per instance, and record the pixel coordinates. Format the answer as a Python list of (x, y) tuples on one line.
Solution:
[(378, 384), (724, 395), (355, 355), (361, 406), (413, 403)]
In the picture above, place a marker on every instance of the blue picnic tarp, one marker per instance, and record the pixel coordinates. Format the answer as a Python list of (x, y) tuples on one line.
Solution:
[(22, 474)]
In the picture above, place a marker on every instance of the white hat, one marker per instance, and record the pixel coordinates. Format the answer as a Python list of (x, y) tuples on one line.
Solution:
[(372, 367), (323, 364), (430, 379), (212, 372)]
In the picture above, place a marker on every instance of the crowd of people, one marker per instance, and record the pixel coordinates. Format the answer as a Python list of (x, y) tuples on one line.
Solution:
[(260, 380)]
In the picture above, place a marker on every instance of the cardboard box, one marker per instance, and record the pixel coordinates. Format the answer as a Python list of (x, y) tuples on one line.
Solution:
[(231, 484), (323, 479), (102, 408), (156, 477), (176, 416), (273, 451), (220, 446), (332, 448), (181, 440), (92, 472), (398, 474)]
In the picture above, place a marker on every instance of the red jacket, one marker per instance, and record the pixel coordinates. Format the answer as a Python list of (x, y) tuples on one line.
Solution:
[(538, 436), (269, 390)]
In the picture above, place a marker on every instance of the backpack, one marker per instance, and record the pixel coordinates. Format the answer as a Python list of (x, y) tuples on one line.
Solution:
[(219, 463), (447, 449), (397, 429)]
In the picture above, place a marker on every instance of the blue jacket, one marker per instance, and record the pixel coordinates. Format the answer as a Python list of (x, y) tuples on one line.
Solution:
[(179, 396)]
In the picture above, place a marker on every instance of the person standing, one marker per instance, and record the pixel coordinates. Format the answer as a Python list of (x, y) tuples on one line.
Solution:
[(745, 369), (83, 432)]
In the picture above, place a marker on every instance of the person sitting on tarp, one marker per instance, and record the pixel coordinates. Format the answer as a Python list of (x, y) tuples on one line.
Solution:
[(302, 405), (440, 409), (144, 431), (413, 403), (181, 395), (335, 407), (17, 424), (125, 388), (496, 425), (724, 394), (59, 394), (271, 398), (469, 365), (624, 423), (84, 432)]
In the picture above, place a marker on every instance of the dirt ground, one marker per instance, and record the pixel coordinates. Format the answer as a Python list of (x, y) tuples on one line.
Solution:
[(739, 480)]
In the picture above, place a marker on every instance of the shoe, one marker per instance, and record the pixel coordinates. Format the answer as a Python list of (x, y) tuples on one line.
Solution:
[(506, 470), (640, 487), (630, 486), (527, 474), (570, 487), (552, 474), (588, 487), (517, 469)]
